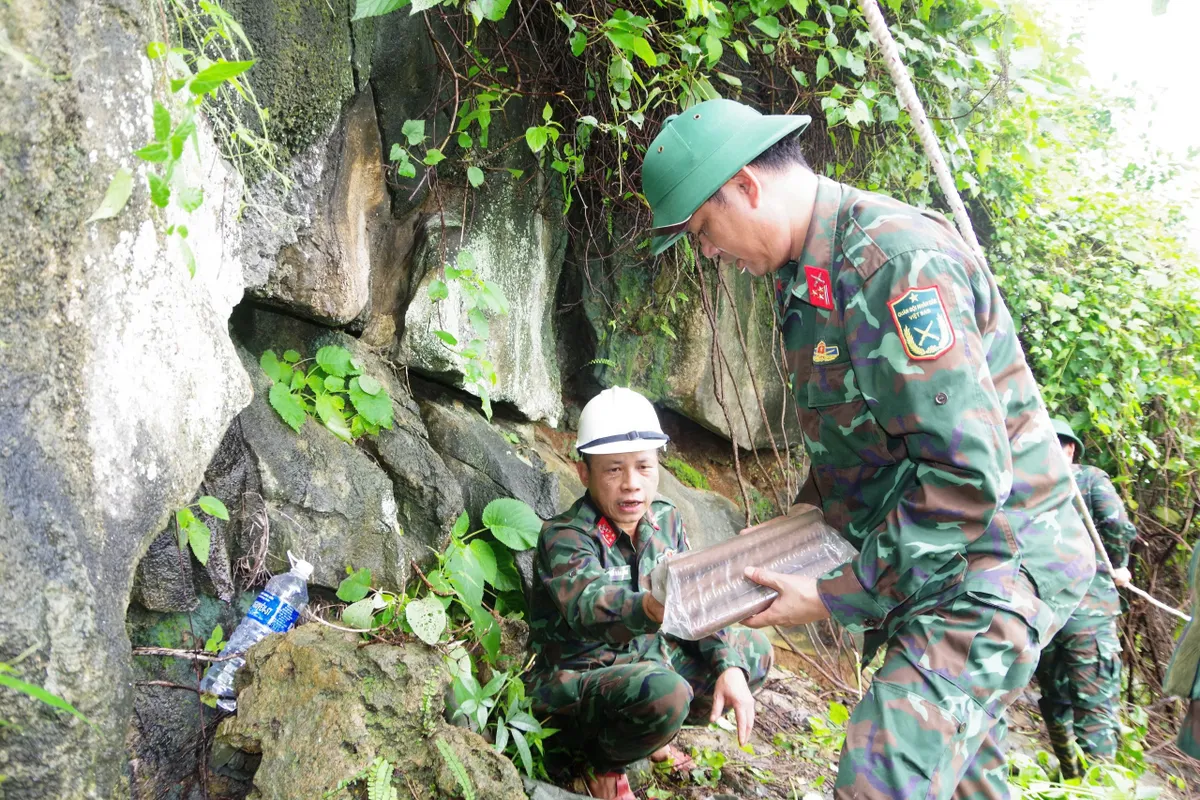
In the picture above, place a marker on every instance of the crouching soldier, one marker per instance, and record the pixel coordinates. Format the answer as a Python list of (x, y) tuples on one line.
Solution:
[(1080, 670), (618, 687)]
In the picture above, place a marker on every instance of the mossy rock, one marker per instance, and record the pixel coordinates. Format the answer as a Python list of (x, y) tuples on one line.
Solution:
[(305, 64), (319, 707)]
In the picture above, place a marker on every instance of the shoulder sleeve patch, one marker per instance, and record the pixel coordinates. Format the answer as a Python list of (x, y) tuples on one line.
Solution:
[(922, 323)]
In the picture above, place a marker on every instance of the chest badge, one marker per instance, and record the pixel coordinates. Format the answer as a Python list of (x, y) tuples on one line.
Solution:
[(824, 353), (820, 292), (922, 322)]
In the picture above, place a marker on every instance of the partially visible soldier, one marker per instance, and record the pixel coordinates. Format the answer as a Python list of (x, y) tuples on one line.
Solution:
[(619, 688), (1080, 670)]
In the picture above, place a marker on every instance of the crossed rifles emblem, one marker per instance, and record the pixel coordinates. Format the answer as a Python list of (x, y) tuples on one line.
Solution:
[(926, 332)]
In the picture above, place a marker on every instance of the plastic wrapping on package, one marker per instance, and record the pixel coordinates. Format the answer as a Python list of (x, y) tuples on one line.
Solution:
[(702, 591)]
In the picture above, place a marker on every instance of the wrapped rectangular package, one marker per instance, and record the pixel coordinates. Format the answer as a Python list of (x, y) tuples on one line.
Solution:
[(705, 590)]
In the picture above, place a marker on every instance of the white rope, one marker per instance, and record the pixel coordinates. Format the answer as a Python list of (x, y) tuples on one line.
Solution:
[(933, 151)]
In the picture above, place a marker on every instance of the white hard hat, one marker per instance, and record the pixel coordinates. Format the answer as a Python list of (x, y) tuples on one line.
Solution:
[(619, 420)]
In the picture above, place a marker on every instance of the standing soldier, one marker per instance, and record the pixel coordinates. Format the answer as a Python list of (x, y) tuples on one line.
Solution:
[(620, 688), (1080, 670), (930, 446)]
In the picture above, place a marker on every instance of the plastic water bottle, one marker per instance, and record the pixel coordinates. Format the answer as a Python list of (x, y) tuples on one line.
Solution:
[(275, 610)]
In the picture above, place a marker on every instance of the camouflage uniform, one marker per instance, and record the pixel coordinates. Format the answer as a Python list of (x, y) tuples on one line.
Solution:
[(932, 452), (617, 686), (1080, 670)]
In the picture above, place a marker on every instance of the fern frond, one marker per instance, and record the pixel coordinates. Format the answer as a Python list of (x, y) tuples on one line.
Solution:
[(379, 786), (457, 769)]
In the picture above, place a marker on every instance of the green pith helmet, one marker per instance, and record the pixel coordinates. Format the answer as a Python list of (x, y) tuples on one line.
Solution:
[(1063, 429), (696, 152)]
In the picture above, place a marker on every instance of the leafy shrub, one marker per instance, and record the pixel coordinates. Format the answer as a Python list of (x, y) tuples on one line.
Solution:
[(331, 388)]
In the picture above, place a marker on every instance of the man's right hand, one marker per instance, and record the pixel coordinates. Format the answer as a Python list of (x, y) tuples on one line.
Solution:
[(653, 608), (1122, 576)]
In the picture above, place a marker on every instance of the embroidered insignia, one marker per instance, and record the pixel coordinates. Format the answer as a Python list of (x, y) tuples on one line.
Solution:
[(922, 322), (820, 293), (824, 353), (607, 533)]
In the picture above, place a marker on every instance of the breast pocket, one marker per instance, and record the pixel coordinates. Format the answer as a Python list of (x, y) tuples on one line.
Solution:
[(841, 429)]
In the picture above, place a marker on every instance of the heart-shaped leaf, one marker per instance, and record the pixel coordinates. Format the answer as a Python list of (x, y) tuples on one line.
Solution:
[(360, 615), (355, 586), (213, 507), (427, 618), (512, 522)]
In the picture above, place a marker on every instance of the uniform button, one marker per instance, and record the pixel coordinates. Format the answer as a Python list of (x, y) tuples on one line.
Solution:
[(962, 728), (940, 398)]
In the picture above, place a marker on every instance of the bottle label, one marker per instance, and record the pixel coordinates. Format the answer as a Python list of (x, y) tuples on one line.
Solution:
[(272, 612)]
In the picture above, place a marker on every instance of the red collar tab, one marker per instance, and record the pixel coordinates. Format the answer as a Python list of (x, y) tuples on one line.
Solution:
[(820, 292), (607, 532)]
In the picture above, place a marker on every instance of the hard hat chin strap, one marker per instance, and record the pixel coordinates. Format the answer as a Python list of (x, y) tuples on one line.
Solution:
[(632, 436)]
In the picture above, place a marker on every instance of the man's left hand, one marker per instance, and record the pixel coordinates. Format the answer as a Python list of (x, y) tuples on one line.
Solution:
[(732, 691), (798, 601)]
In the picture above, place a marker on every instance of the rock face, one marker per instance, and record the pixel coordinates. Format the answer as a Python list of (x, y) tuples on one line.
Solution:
[(334, 503), (676, 369), (708, 518), (317, 697), (486, 464), (516, 243), (120, 378), (167, 746), (325, 273)]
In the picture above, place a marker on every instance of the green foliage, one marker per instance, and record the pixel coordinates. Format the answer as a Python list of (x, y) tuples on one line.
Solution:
[(193, 82), (825, 737), (378, 779), (1034, 779), (216, 641), (481, 299), (707, 772), (686, 473), (115, 198), (192, 531), (9, 680), (476, 578), (333, 389), (456, 768), (502, 708)]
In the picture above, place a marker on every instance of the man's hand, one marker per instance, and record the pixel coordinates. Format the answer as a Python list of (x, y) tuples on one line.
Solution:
[(653, 608), (797, 604), (1122, 576), (731, 691)]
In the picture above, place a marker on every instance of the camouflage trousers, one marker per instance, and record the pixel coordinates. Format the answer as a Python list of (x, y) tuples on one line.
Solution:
[(1080, 679), (932, 723), (613, 716)]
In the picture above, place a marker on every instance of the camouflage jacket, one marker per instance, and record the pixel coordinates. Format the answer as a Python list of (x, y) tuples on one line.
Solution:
[(586, 605), (1117, 533), (930, 446)]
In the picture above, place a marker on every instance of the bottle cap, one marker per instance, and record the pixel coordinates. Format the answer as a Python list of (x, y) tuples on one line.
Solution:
[(300, 567)]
